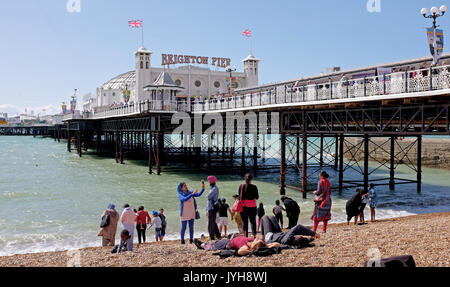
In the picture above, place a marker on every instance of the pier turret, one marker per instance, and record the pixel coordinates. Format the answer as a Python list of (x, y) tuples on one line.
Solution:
[(251, 70), (143, 72)]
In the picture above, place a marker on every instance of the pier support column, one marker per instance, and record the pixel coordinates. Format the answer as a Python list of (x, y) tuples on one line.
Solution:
[(297, 153), (304, 164), (208, 161), (116, 147), (69, 144), (159, 147), (121, 147), (255, 155), (419, 164), (321, 151), (336, 153), (150, 153), (366, 163), (283, 164), (264, 147), (79, 143), (392, 165), (243, 154), (341, 162)]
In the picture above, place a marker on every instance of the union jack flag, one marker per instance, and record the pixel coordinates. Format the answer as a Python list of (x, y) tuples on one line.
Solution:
[(135, 23), (247, 33)]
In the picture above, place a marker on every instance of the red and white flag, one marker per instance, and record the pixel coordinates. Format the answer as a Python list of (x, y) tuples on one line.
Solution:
[(247, 33), (135, 23)]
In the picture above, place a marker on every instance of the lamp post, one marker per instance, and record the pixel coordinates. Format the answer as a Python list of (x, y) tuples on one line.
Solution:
[(434, 14), (230, 70), (73, 103), (126, 94)]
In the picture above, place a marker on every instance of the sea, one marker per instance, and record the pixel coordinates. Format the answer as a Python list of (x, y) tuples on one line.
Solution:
[(52, 200)]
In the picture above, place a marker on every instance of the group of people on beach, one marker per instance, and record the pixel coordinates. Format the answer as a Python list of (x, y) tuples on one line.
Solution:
[(130, 219), (357, 203), (248, 216)]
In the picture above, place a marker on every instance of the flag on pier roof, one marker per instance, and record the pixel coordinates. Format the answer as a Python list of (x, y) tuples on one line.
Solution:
[(135, 23), (247, 33)]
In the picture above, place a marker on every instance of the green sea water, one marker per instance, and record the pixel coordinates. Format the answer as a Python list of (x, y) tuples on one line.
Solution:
[(52, 200)]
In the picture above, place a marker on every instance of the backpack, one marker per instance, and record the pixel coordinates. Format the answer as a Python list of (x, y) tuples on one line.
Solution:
[(105, 221), (266, 251), (216, 207)]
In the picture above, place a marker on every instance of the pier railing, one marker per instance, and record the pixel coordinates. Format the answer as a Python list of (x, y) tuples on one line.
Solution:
[(436, 78), (134, 108)]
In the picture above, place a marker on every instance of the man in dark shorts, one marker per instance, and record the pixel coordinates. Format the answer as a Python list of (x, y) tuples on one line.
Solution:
[(298, 236)]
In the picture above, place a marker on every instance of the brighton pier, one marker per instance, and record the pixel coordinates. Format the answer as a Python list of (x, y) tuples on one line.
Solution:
[(316, 121)]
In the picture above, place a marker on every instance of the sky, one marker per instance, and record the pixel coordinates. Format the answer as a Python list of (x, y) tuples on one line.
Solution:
[(46, 51)]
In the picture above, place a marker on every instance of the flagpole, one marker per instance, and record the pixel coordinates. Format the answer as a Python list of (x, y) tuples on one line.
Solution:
[(142, 33)]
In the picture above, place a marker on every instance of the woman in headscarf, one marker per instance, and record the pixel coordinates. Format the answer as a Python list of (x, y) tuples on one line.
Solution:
[(188, 209), (322, 200), (109, 231)]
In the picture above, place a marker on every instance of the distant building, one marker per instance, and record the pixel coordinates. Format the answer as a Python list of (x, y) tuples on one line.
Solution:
[(195, 81)]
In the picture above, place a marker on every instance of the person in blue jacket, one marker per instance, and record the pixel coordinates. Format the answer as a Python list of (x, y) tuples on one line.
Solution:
[(188, 209)]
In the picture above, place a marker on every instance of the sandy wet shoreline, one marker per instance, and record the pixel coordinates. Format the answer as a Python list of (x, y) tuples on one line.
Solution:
[(425, 237)]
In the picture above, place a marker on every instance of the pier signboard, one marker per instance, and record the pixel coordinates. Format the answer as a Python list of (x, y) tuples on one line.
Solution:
[(173, 59)]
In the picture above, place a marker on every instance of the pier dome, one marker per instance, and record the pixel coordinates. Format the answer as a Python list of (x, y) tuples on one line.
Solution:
[(120, 81)]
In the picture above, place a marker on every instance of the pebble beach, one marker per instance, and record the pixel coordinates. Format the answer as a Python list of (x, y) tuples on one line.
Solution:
[(425, 237)]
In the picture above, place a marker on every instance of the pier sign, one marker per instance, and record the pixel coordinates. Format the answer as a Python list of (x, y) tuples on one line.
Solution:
[(172, 59)]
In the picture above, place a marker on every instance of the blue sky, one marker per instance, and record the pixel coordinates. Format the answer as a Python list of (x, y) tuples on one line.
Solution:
[(46, 51)]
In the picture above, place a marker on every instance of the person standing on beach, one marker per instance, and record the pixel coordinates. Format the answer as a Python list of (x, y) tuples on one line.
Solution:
[(353, 206), (373, 201), (158, 225), (188, 209), (163, 223), (292, 210), (260, 211), (142, 219), (364, 200), (248, 194), (236, 216), (278, 212), (212, 207), (224, 209), (322, 200), (128, 219), (109, 231)]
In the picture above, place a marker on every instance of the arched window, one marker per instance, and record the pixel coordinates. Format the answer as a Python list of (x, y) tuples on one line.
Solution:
[(178, 82), (146, 65), (142, 65)]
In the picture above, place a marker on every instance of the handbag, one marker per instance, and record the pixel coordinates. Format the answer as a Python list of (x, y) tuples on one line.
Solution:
[(105, 221), (239, 207), (318, 198), (197, 214)]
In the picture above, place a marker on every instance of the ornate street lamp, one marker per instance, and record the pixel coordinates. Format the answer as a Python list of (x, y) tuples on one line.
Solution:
[(434, 14), (73, 102), (126, 94), (230, 84)]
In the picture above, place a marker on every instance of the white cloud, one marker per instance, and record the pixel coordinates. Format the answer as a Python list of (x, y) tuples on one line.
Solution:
[(13, 110)]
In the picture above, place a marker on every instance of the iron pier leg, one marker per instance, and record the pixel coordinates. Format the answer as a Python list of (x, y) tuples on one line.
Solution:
[(321, 151), (283, 164), (341, 162), (419, 164), (159, 148), (150, 152), (366, 163), (392, 165), (304, 164)]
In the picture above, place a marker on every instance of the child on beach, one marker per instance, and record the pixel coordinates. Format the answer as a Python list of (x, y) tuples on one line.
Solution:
[(278, 212), (260, 212), (364, 200), (224, 208), (158, 225), (373, 200), (236, 216), (163, 223)]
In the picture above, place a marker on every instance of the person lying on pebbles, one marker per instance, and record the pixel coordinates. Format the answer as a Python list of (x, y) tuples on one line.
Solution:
[(243, 245)]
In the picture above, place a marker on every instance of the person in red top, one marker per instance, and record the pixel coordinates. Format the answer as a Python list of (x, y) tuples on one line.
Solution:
[(248, 194), (142, 219), (322, 200)]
